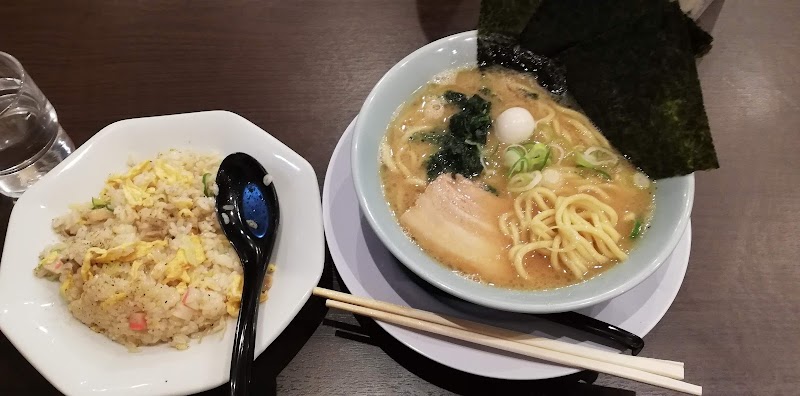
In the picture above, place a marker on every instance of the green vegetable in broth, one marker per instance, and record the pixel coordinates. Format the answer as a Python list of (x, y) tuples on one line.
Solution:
[(455, 97), (637, 229), (538, 154), (428, 137), (473, 121), (581, 162), (526, 158), (460, 147)]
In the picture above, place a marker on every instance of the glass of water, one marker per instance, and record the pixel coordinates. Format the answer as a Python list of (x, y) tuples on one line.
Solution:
[(31, 140)]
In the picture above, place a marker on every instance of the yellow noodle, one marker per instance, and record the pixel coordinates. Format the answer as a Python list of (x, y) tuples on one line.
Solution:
[(574, 264), (514, 233), (504, 224), (561, 132), (524, 250), (386, 156), (610, 230), (551, 113), (597, 190), (583, 132), (554, 250), (410, 179)]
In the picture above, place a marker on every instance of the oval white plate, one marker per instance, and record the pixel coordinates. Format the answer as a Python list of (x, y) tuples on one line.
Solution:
[(77, 360), (369, 269)]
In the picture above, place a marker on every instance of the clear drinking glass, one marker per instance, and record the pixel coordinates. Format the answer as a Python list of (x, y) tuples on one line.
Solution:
[(31, 140)]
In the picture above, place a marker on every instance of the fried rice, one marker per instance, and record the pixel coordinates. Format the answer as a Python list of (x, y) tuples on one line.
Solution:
[(145, 262)]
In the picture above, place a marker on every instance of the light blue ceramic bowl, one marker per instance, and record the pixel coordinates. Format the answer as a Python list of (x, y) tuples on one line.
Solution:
[(673, 201)]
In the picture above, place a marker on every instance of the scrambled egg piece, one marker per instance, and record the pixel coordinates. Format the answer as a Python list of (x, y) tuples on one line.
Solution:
[(65, 286), (183, 203), (194, 250), (234, 294), (135, 268), (176, 269), (142, 195), (52, 256), (168, 173), (115, 298), (125, 252), (191, 254), (136, 195)]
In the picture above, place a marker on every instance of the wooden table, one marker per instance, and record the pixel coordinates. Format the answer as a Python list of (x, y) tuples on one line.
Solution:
[(301, 69)]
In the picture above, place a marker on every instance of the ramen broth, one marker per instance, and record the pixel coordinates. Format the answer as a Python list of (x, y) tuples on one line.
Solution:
[(567, 135)]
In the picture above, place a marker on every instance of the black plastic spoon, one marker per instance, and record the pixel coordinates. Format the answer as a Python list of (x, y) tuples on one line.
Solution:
[(247, 208)]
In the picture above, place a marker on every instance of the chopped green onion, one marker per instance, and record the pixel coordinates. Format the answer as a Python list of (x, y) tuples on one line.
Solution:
[(599, 156), (98, 203), (513, 154), (524, 159), (637, 229), (518, 167), (206, 190), (537, 156), (581, 162)]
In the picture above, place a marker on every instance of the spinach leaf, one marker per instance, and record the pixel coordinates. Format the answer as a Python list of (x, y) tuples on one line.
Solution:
[(459, 150), (428, 137), (455, 97)]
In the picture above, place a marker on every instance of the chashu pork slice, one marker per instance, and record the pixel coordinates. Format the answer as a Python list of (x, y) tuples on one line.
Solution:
[(456, 220)]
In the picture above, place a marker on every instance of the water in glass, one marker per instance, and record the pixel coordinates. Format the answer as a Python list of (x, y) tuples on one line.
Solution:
[(32, 141)]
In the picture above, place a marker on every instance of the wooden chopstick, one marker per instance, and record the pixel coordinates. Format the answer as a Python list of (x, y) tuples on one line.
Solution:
[(458, 329), (667, 368), (522, 349)]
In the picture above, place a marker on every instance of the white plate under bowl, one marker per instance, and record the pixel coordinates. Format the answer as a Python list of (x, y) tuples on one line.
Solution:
[(77, 360), (368, 269)]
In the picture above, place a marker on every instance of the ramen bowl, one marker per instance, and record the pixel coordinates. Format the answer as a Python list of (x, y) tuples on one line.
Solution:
[(673, 200)]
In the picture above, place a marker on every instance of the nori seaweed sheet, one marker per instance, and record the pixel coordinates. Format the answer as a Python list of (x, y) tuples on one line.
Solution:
[(630, 66), (560, 24), (701, 40), (498, 49), (653, 112), (506, 17)]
